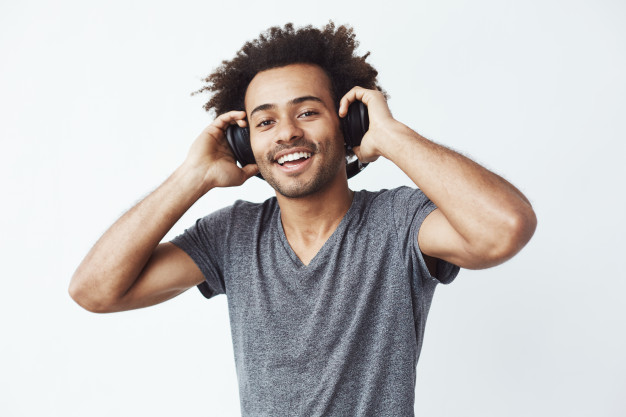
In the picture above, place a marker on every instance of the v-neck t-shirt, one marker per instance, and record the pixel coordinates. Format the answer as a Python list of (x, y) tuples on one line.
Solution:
[(339, 336)]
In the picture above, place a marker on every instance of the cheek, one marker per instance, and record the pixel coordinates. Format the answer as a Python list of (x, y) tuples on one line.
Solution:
[(338, 141), (256, 146)]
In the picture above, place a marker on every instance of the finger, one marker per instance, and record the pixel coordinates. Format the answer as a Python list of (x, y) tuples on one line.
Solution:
[(226, 119), (355, 94), (345, 102), (249, 171)]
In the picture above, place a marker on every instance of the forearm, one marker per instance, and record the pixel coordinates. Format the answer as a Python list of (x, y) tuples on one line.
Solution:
[(115, 262), (482, 207)]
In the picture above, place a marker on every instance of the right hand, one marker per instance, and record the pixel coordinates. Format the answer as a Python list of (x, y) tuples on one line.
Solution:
[(212, 158)]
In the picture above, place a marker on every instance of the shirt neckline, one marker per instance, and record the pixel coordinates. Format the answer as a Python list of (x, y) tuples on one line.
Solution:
[(356, 200)]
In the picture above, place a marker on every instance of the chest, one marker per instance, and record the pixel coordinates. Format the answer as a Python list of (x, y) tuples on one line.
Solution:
[(302, 310), (273, 279), (306, 250)]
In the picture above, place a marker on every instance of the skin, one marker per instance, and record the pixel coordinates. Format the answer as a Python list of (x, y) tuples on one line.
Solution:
[(482, 220)]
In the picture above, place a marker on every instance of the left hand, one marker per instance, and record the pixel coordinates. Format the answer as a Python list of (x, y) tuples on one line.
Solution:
[(380, 120)]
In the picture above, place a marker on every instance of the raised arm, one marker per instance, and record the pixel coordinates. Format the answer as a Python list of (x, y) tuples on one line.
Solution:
[(127, 268), (482, 220)]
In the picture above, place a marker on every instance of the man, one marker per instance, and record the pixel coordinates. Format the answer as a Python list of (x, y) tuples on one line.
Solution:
[(328, 289)]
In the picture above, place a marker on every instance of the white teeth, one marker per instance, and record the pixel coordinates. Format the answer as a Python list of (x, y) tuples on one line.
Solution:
[(293, 157)]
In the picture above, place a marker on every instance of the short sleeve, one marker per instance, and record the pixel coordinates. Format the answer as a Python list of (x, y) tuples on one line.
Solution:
[(410, 207), (204, 243)]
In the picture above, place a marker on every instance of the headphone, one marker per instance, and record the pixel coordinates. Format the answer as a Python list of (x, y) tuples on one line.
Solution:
[(354, 125)]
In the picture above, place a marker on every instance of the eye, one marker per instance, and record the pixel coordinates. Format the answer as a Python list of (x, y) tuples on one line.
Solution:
[(264, 123), (308, 113)]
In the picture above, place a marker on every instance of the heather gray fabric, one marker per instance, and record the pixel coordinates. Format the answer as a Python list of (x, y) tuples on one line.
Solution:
[(338, 337)]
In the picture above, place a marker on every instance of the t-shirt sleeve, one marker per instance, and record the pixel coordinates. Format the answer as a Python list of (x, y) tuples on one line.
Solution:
[(204, 243), (410, 208)]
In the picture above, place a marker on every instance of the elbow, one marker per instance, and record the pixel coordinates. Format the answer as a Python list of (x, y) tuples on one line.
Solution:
[(507, 238), (87, 297), (517, 232), (522, 228)]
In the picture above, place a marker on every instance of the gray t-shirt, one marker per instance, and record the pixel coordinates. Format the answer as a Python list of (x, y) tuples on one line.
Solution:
[(338, 337)]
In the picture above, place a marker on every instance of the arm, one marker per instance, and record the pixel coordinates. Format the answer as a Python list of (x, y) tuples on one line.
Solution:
[(481, 221), (127, 268)]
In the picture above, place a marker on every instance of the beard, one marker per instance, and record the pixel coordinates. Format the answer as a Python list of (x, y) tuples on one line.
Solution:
[(332, 160)]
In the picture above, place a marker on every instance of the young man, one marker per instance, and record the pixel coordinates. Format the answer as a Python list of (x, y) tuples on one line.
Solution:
[(328, 289)]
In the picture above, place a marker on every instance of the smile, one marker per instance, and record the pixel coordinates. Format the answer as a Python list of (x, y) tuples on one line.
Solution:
[(293, 157)]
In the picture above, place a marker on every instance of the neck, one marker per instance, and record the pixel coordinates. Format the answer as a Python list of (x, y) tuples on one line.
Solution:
[(315, 217)]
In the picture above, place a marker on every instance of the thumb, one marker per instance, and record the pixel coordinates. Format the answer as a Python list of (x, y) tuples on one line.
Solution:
[(357, 152), (249, 171), (362, 157)]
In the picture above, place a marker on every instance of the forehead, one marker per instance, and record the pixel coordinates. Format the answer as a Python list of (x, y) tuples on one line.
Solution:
[(280, 85)]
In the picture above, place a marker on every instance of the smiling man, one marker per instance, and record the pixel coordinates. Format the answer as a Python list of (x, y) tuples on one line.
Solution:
[(328, 289)]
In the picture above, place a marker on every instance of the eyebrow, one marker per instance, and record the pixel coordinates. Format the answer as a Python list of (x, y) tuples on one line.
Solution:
[(295, 101)]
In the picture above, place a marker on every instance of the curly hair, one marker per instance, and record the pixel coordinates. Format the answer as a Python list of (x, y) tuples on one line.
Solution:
[(331, 48)]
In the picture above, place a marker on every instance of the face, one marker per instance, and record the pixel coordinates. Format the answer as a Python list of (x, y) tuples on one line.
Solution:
[(294, 129)]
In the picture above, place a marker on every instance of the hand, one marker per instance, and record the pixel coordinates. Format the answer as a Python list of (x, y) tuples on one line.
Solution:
[(211, 157), (380, 119)]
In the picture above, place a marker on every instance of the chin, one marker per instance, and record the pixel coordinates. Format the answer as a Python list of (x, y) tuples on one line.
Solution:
[(296, 187)]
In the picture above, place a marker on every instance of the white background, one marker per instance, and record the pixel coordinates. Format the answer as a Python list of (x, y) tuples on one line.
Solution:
[(95, 112)]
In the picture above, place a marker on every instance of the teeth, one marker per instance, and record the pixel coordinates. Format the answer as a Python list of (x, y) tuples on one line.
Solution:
[(293, 157)]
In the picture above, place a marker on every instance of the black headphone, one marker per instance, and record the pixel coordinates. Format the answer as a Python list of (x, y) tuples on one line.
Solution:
[(354, 125)]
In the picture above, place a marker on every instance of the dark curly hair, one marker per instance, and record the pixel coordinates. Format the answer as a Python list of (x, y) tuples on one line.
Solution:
[(332, 48)]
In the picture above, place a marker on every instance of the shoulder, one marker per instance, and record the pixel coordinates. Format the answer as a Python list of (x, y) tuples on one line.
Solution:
[(239, 216), (389, 199), (249, 209), (402, 208), (390, 192), (243, 208)]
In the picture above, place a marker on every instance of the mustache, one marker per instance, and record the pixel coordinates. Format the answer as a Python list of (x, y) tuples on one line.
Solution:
[(298, 143)]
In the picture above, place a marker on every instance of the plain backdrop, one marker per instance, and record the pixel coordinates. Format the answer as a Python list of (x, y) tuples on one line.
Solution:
[(95, 112)]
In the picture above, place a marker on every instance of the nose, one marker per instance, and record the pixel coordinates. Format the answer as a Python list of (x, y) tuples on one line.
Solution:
[(288, 130)]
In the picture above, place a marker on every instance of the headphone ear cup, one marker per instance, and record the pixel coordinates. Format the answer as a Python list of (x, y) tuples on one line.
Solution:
[(238, 139), (354, 125)]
